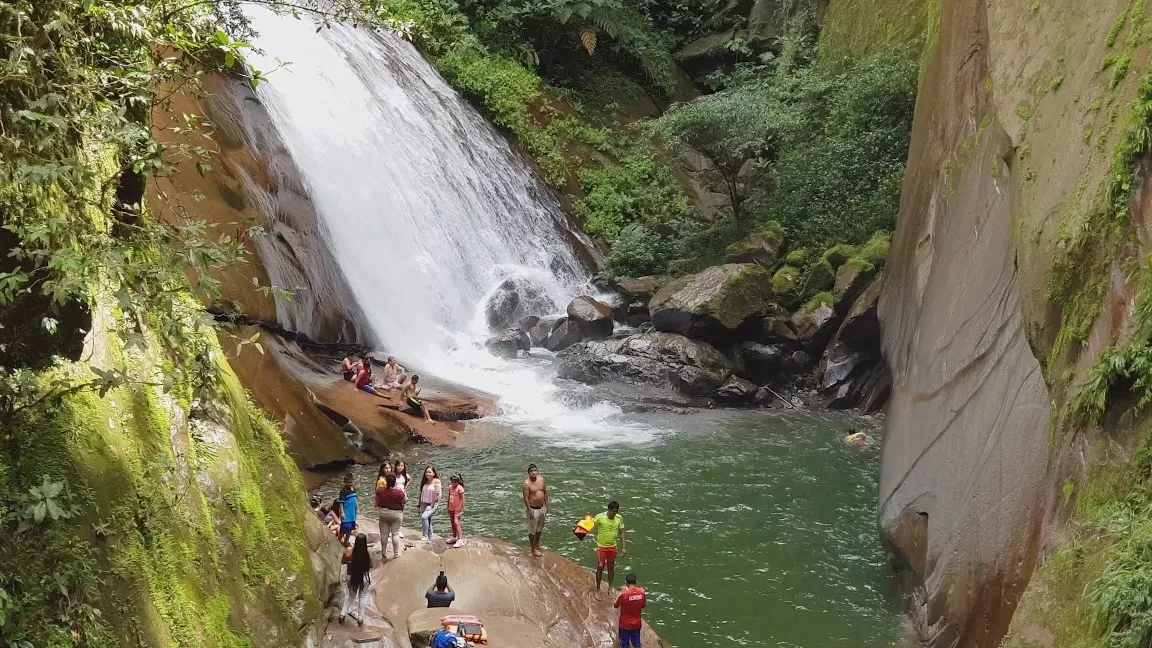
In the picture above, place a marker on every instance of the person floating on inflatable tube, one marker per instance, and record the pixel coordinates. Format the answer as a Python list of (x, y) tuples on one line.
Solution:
[(858, 440)]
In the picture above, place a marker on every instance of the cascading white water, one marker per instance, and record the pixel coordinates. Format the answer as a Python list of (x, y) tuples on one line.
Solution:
[(425, 206)]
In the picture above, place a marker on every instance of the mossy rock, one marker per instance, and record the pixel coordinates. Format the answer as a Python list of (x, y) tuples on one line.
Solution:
[(762, 247), (786, 284), (838, 254), (852, 278), (797, 257), (711, 304), (876, 250), (818, 300), (821, 277)]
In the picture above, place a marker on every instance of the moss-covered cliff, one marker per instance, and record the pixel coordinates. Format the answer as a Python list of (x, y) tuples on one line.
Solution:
[(1015, 327), (184, 522)]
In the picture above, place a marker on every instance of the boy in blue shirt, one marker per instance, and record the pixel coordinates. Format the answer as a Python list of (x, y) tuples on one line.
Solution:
[(348, 502)]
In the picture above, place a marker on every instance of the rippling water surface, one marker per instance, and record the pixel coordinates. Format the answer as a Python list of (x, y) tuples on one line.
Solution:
[(747, 528)]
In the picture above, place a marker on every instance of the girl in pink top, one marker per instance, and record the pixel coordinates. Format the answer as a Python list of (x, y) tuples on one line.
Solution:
[(456, 499), (429, 500)]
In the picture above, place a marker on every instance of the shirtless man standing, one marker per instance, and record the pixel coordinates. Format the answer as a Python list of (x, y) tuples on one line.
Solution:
[(535, 507)]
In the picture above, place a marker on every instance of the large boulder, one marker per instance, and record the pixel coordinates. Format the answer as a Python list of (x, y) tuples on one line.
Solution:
[(852, 372), (593, 317), (542, 329), (633, 288), (736, 391), (814, 327), (712, 304), (515, 298), (524, 602), (762, 246), (769, 363), (766, 23), (508, 343), (772, 329), (564, 334), (665, 360)]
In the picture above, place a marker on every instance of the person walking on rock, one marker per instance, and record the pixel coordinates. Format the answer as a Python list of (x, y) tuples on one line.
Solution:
[(535, 507), (609, 530), (430, 494), (630, 602), (456, 498), (359, 580), (349, 503), (390, 500)]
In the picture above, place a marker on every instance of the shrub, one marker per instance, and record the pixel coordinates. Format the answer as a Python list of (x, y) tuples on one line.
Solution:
[(638, 190), (638, 251)]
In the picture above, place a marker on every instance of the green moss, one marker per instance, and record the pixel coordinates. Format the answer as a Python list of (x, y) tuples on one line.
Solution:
[(821, 277), (856, 29), (876, 250), (786, 281), (176, 559), (746, 293), (761, 246), (838, 254), (1056, 82), (796, 257), (818, 300), (1024, 111)]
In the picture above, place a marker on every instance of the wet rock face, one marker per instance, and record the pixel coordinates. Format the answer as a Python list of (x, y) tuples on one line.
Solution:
[(964, 481), (508, 343), (593, 317), (659, 359), (515, 299), (852, 372), (564, 334)]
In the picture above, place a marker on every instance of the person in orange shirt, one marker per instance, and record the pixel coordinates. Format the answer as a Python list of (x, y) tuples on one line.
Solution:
[(630, 602), (456, 498)]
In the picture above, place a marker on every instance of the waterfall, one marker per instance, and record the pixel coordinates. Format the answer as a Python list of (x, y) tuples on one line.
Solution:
[(422, 202), (428, 210)]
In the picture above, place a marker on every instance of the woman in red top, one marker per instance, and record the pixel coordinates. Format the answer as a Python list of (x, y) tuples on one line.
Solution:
[(456, 498), (364, 378), (390, 500), (631, 601)]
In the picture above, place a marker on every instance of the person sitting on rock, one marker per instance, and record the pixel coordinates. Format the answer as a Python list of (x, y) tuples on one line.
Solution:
[(364, 378), (411, 396), (348, 368), (394, 375), (440, 595)]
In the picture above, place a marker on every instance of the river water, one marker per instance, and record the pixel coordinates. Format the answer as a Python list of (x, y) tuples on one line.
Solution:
[(747, 528)]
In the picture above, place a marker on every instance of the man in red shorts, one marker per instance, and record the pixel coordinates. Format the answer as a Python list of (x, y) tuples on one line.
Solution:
[(609, 529)]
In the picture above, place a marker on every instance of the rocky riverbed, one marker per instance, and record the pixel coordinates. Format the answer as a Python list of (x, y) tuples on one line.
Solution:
[(762, 330)]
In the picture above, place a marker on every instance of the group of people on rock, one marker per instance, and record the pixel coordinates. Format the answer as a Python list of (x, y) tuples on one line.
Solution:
[(391, 500), (395, 377)]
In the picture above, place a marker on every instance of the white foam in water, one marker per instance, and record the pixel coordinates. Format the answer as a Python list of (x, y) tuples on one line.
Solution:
[(427, 210)]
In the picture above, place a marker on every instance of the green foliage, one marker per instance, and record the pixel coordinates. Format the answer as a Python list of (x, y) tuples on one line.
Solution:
[(638, 190), (638, 251)]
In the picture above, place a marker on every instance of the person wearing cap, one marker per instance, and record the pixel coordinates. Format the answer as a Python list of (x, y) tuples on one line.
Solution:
[(456, 497)]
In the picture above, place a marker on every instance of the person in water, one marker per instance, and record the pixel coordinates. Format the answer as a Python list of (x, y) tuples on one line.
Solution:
[(609, 530), (858, 440), (402, 478), (456, 497), (364, 378), (390, 500), (440, 595), (535, 492), (348, 502), (359, 580), (393, 375), (411, 396), (630, 603), (348, 368), (430, 494)]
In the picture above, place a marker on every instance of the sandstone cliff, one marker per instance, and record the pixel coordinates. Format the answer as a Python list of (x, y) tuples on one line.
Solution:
[(1013, 269)]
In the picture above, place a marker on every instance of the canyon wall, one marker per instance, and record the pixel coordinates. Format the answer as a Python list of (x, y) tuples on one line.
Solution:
[(992, 314)]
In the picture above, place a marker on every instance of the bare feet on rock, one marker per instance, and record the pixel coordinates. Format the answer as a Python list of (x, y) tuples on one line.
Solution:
[(538, 552)]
